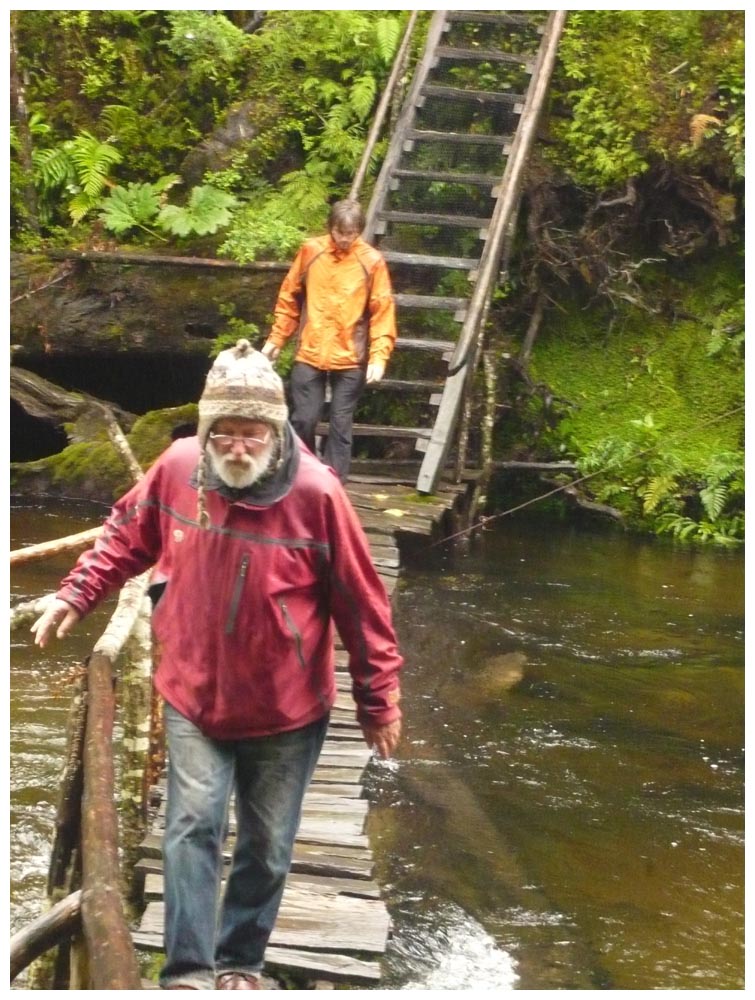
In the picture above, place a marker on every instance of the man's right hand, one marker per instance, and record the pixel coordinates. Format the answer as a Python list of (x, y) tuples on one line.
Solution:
[(59, 618), (270, 351)]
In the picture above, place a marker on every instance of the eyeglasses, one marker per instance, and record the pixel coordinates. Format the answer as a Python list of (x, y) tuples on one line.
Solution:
[(226, 440)]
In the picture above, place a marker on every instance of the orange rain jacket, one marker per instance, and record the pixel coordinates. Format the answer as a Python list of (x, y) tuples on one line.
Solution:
[(325, 295)]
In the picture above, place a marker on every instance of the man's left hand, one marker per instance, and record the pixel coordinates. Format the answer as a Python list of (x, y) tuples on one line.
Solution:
[(375, 371), (384, 739)]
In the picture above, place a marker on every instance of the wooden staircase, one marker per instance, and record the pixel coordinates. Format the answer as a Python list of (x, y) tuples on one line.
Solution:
[(443, 210)]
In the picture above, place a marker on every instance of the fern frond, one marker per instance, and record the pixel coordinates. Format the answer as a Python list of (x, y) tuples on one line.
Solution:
[(714, 498), (121, 123), (700, 127), (658, 489), (362, 95), (387, 34), (53, 168), (80, 205), (93, 160)]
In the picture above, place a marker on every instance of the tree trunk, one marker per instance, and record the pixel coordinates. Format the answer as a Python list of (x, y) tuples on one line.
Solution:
[(21, 120)]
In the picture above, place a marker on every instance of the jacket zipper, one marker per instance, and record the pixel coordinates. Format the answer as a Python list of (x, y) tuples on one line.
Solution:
[(236, 598), (294, 632)]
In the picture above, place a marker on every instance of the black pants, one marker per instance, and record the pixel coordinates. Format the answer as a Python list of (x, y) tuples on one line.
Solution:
[(307, 398)]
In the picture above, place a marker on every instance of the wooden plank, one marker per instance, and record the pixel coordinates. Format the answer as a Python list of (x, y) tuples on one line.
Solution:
[(492, 17), (430, 219), (433, 510), (391, 521), (403, 385), (514, 101), (461, 138), (310, 919), (316, 859), (446, 177), (336, 968), (381, 430), (360, 888), (444, 303), (486, 55), (443, 347), (430, 260)]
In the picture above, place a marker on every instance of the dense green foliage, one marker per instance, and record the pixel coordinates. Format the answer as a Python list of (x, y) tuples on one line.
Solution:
[(129, 95), (655, 410), (241, 126), (642, 87)]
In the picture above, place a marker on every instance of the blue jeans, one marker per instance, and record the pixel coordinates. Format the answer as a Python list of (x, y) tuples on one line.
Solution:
[(270, 775), (307, 398)]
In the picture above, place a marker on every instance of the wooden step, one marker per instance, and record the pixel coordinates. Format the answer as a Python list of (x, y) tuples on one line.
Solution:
[(443, 302), (403, 385), (492, 17), (426, 219), (462, 138), (479, 180), (380, 430), (516, 101), (486, 55), (428, 260), (426, 344)]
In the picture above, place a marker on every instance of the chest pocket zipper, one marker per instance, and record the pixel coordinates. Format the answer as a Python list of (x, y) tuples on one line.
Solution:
[(236, 598), (294, 632)]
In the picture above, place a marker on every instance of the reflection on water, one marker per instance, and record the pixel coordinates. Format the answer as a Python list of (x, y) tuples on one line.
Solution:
[(566, 810), (572, 776)]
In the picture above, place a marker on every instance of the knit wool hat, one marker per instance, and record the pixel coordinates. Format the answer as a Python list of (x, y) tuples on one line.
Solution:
[(241, 383)]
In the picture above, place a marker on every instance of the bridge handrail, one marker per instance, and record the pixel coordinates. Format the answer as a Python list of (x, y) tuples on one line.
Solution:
[(399, 64), (510, 186)]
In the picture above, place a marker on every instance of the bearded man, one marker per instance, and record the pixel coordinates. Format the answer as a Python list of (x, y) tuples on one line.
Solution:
[(258, 554)]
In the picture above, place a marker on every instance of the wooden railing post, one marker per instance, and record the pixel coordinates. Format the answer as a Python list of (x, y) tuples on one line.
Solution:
[(113, 963)]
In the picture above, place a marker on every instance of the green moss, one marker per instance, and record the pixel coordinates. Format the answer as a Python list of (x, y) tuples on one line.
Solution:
[(655, 399), (151, 434), (94, 469)]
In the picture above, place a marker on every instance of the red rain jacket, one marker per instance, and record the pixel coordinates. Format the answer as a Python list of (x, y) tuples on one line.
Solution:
[(244, 628)]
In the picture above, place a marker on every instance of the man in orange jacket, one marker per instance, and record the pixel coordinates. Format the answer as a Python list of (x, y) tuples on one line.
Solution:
[(337, 297)]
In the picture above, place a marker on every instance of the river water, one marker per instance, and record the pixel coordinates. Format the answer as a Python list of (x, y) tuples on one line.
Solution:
[(567, 808)]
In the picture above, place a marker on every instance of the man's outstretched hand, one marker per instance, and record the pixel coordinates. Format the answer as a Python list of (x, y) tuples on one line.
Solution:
[(58, 619), (384, 739)]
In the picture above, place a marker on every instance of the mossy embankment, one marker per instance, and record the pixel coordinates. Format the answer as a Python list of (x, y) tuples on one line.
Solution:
[(654, 398), (94, 470)]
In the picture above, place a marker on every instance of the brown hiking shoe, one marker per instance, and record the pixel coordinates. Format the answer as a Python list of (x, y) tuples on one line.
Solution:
[(238, 981)]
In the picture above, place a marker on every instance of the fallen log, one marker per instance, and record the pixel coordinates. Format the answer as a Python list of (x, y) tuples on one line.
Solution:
[(29, 611), (152, 260), (69, 543), (47, 401)]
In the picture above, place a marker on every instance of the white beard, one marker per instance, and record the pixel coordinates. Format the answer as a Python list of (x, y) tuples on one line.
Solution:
[(242, 471)]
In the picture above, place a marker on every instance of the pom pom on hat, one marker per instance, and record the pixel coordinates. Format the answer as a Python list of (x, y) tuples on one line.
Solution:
[(242, 383)]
